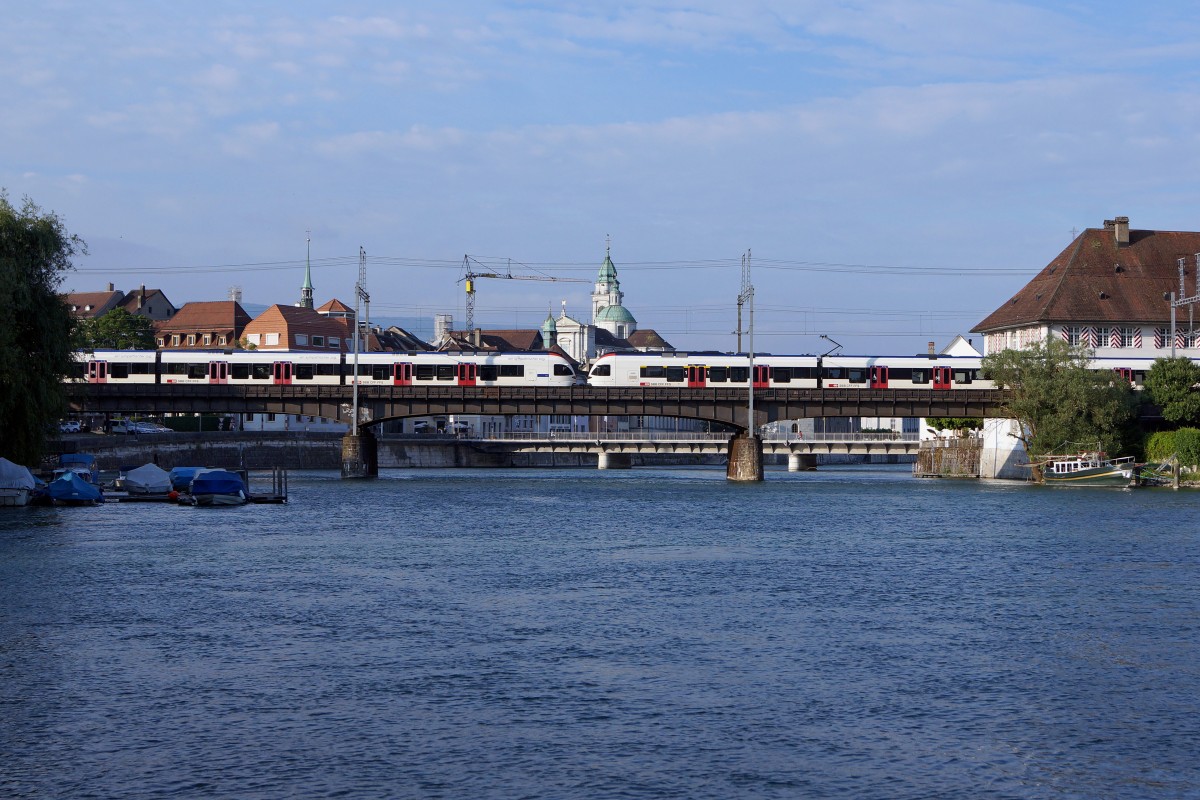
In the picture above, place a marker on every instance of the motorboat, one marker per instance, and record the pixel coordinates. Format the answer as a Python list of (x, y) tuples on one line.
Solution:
[(71, 489), (1089, 468), (148, 479), (16, 484), (218, 487)]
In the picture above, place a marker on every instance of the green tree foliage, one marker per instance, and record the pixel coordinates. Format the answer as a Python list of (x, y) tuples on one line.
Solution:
[(1059, 401), (958, 424), (36, 336), (1170, 383), (1183, 444), (117, 330)]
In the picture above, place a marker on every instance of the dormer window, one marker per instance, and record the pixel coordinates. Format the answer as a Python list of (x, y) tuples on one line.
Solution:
[(318, 341)]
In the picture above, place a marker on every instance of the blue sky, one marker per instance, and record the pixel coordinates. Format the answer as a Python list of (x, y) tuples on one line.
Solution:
[(897, 169)]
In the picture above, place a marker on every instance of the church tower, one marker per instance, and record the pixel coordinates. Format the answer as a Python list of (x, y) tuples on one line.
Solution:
[(306, 291), (607, 311)]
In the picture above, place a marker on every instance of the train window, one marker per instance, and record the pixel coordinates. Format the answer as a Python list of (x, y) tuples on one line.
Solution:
[(602, 371), (239, 372), (176, 369), (563, 369), (118, 371), (197, 372), (327, 369), (447, 372), (963, 375), (512, 370), (304, 372), (920, 376), (781, 374), (653, 372), (739, 374), (718, 374), (488, 372), (424, 372), (675, 374), (834, 373), (856, 375), (381, 372), (261, 372)]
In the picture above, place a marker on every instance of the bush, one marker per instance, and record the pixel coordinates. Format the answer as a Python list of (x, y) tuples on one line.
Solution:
[(1183, 443)]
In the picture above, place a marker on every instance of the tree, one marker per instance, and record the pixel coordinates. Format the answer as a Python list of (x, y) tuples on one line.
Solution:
[(36, 337), (1170, 383), (117, 330), (1059, 401), (959, 425)]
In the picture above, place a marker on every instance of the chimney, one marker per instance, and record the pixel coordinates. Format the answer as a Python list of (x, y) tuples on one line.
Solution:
[(932, 349), (477, 335), (142, 296), (112, 288), (1121, 230)]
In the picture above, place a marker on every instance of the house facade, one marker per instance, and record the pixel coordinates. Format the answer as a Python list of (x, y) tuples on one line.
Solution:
[(203, 325), (1109, 290)]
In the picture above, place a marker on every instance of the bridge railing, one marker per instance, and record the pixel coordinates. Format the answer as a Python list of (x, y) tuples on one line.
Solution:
[(654, 436)]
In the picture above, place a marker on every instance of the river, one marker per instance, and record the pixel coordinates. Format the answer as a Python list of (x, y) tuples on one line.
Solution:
[(651, 633)]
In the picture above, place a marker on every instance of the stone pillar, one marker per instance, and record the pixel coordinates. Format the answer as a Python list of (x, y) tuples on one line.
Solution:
[(745, 458), (798, 462), (614, 461), (360, 456)]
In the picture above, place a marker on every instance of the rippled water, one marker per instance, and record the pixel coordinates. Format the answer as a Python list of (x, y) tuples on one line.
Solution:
[(650, 633)]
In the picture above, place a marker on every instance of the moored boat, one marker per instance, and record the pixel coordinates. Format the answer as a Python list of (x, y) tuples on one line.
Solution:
[(1089, 468), (148, 479), (218, 487), (16, 484), (71, 489)]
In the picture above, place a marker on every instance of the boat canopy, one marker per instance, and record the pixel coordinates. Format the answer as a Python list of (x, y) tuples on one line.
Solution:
[(217, 481), (70, 487), (181, 477), (148, 479), (15, 476)]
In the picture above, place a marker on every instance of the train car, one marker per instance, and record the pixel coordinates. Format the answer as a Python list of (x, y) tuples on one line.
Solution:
[(118, 366), (250, 367), (693, 370), (937, 373), (464, 369)]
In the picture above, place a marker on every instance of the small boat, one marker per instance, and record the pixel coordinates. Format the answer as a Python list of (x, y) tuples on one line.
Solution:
[(218, 487), (71, 489), (1089, 468), (181, 477), (82, 464), (16, 484), (148, 479)]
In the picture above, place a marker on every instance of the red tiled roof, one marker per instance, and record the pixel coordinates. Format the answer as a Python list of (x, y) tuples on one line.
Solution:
[(336, 306), (217, 317), (1098, 280), (648, 338), (86, 305), (500, 341), (288, 321)]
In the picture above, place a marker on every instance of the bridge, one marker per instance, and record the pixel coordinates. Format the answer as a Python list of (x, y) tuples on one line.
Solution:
[(379, 403)]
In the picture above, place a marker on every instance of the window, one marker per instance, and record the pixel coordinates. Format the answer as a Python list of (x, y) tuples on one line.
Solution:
[(270, 339), (920, 376), (175, 340), (655, 371), (302, 340), (381, 372), (260, 372), (602, 371), (335, 341), (512, 370), (1072, 334), (222, 341), (1103, 336), (739, 374), (239, 372), (207, 339), (162, 342), (118, 371), (191, 340), (963, 375), (253, 338), (447, 372), (1128, 337), (318, 341), (563, 370), (781, 374), (489, 372), (197, 372), (304, 372), (675, 374), (718, 374), (856, 375), (424, 372)]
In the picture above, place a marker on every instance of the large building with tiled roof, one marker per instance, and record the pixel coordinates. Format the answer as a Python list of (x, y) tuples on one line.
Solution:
[(203, 325), (283, 327), (1110, 289), (89, 305), (150, 303)]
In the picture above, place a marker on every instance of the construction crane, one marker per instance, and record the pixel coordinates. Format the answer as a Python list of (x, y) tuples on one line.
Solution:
[(470, 275)]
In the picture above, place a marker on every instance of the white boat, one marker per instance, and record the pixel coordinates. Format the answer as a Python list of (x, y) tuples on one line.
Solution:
[(1089, 468), (16, 484), (147, 479)]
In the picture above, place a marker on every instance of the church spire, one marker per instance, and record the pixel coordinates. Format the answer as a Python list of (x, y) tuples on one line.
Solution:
[(306, 291)]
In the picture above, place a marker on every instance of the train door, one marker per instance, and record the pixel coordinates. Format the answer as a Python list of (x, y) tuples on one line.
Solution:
[(1126, 373), (941, 377), (696, 376), (97, 372), (282, 372), (402, 376), (467, 374), (218, 372), (879, 377), (762, 375)]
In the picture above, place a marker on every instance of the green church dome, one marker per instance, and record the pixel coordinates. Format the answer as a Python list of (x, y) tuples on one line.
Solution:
[(615, 314)]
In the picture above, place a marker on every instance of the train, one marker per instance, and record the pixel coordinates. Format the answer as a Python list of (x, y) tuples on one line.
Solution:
[(692, 370)]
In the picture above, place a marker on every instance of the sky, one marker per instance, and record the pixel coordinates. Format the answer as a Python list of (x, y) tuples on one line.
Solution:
[(892, 171)]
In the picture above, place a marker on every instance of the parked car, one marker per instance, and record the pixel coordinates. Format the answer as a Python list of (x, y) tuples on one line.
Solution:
[(70, 426)]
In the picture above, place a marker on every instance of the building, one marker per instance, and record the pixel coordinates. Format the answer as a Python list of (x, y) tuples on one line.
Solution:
[(1110, 290), (203, 325), (283, 327), (141, 302)]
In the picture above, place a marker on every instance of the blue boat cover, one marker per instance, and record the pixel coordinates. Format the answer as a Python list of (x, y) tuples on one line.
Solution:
[(218, 481), (84, 460), (69, 486), (181, 477)]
